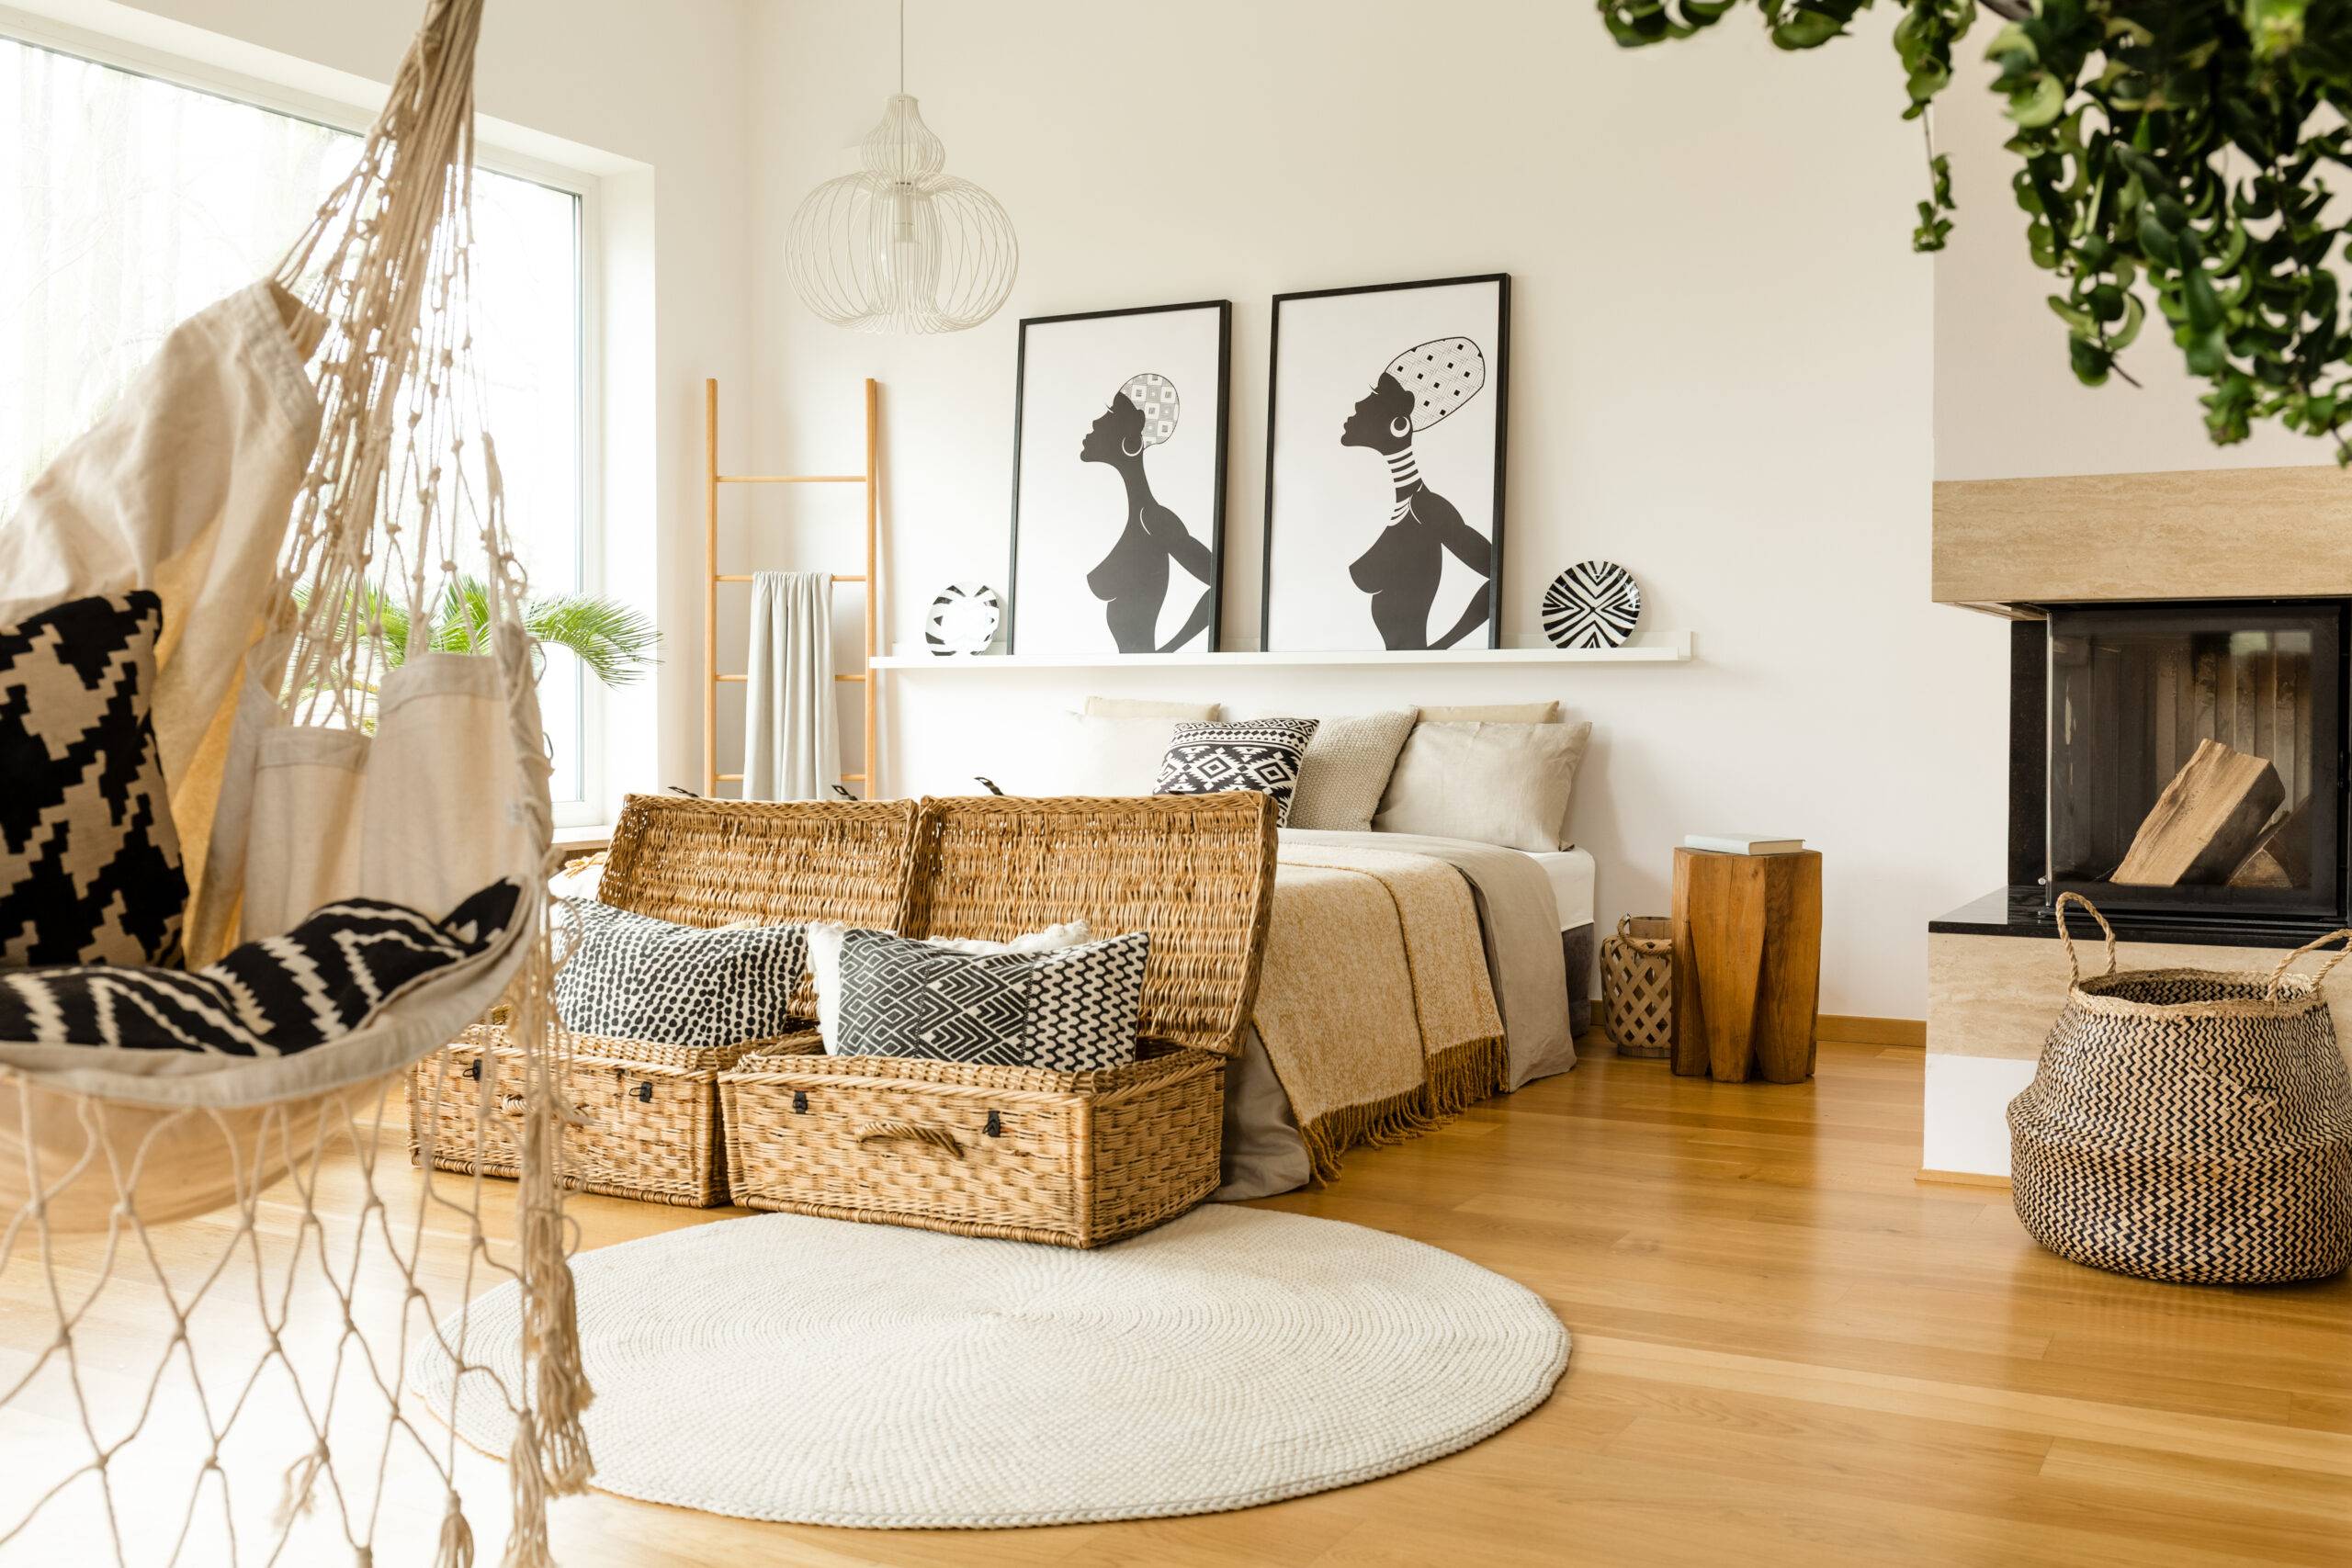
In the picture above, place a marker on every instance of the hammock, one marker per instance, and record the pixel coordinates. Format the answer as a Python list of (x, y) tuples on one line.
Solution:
[(301, 469)]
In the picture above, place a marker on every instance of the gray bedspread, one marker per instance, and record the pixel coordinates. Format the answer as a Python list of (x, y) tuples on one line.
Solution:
[(1519, 924)]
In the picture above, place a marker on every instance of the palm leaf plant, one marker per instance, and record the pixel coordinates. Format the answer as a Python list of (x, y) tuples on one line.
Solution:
[(614, 642)]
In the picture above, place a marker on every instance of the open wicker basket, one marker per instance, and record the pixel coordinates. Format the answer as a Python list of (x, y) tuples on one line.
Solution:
[(1076, 1159), (650, 1110)]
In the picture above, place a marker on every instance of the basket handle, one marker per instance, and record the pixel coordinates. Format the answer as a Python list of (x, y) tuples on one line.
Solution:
[(2343, 936), (913, 1132), (2075, 970), (513, 1106)]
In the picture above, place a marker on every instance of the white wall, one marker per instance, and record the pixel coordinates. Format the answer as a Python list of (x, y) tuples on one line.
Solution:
[(656, 100), (2008, 405), (1721, 378)]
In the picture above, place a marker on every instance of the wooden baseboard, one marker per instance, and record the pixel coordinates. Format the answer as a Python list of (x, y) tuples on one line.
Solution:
[(1846, 1029), (1962, 1178), (1852, 1031)]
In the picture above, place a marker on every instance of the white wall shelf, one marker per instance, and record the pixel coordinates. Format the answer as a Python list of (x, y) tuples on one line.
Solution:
[(1673, 648)]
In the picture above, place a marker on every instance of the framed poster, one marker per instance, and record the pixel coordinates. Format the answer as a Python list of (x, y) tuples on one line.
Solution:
[(1385, 424), (1118, 480)]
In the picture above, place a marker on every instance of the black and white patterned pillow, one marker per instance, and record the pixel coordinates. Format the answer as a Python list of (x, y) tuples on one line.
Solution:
[(631, 976), (271, 997), (1072, 1010), (1262, 755), (89, 860)]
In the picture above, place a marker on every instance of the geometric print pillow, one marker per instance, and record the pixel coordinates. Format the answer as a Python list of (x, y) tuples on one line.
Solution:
[(1073, 1009), (89, 861), (631, 976), (1262, 755), (272, 997)]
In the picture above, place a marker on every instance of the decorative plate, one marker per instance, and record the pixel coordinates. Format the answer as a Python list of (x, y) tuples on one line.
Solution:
[(1594, 604), (962, 619)]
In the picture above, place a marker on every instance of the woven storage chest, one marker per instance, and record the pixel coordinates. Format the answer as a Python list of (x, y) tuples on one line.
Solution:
[(2190, 1125), (1075, 1159), (649, 1124)]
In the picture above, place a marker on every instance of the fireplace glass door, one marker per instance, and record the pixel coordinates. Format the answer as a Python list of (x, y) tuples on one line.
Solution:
[(2195, 757)]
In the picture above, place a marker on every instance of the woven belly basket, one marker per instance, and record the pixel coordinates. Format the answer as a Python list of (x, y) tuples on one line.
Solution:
[(2190, 1125)]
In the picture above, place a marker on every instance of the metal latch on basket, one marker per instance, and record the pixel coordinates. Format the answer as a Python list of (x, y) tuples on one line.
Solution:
[(800, 1103), (473, 1070), (994, 1126), (645, 1091)]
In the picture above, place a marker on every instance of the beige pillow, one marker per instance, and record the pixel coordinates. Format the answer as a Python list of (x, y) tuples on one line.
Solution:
[(1497, 784), (1143, 707), (1346, 770), (1495, 713)]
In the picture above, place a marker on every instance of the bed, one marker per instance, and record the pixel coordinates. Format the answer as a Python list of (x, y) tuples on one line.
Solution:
[(1527, 938)]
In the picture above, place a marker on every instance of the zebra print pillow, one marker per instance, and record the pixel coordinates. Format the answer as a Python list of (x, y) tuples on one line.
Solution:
[(631, 976), (323, 979)]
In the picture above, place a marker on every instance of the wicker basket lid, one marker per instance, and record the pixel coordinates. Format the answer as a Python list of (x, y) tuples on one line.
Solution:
[(709, 863), (1194, 870)]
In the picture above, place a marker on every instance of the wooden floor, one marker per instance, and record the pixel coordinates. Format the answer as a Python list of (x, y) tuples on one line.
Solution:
[(1787, 1351)]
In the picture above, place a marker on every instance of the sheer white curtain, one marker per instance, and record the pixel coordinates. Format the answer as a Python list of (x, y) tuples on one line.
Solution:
[(129, 203)]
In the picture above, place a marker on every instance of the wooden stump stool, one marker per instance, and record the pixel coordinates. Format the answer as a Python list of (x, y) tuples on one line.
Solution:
[(1746, 964)]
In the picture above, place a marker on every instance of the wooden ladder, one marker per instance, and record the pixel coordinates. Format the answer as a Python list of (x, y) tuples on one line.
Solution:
[(712, 777)]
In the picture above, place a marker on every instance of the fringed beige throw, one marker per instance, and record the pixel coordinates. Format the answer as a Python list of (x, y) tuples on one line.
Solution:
[(1374, 1001)]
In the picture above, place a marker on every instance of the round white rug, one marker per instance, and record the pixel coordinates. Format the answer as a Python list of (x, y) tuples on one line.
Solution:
[(826, 1372)]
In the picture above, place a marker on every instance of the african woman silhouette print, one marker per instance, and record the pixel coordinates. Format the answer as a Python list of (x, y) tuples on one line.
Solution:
[(1402, 569), (1133, 579)]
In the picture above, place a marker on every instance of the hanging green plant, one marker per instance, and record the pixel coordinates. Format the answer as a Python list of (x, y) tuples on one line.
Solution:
[(2170, 154)]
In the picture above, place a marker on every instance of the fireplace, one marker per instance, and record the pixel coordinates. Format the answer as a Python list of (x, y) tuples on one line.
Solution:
[(2182, 765)]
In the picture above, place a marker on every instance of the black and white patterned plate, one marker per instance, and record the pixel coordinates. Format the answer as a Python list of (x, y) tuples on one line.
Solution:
[(962, 619), (1594, 604)]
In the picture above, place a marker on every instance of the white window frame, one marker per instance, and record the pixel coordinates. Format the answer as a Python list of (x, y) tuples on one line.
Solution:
[(277, 97)]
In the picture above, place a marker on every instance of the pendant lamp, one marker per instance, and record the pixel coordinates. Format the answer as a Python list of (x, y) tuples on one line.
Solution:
[(901, 246)]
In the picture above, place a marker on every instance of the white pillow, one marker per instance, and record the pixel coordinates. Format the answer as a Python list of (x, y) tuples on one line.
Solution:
[(1104, 756), (1496, 783), (825, 961), (1146, 707)]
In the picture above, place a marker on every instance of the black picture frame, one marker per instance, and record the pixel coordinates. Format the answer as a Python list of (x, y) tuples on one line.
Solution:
[(1499, 383), (1014, 595)]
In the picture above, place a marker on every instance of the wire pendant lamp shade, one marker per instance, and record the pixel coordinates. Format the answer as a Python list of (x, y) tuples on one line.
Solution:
[(900, 245)]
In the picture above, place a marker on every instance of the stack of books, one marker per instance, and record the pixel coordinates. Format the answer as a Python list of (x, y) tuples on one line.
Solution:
[(1742, 843)]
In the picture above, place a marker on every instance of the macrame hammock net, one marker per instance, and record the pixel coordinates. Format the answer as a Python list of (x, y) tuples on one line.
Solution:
[(215, 1268)]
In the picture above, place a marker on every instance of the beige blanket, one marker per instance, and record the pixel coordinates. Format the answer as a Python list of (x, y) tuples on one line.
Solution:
[(1374, 1002), (1519, 921)]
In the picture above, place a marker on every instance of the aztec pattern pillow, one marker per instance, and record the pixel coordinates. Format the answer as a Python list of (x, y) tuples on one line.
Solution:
[(272, 998), (1262, 755), (89, 860), (1072, 1010), (825, 939), (635, 978)]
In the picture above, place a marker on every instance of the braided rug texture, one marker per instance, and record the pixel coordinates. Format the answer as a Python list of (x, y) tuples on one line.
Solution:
[(819, 1371)]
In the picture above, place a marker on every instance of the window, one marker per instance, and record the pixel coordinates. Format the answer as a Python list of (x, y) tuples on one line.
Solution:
[(131, 202)]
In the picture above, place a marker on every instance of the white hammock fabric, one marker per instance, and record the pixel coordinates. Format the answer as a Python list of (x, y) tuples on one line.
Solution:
[(302, 476)]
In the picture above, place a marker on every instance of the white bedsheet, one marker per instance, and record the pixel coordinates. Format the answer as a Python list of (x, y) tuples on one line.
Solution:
[(1570, 873)]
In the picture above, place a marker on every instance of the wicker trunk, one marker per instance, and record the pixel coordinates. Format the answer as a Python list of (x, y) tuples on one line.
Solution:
[(649, 1113), (1074, 1159), (650, 1110)]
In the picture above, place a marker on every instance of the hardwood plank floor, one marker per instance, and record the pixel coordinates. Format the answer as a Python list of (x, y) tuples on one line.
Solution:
[(1788, 1350)]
